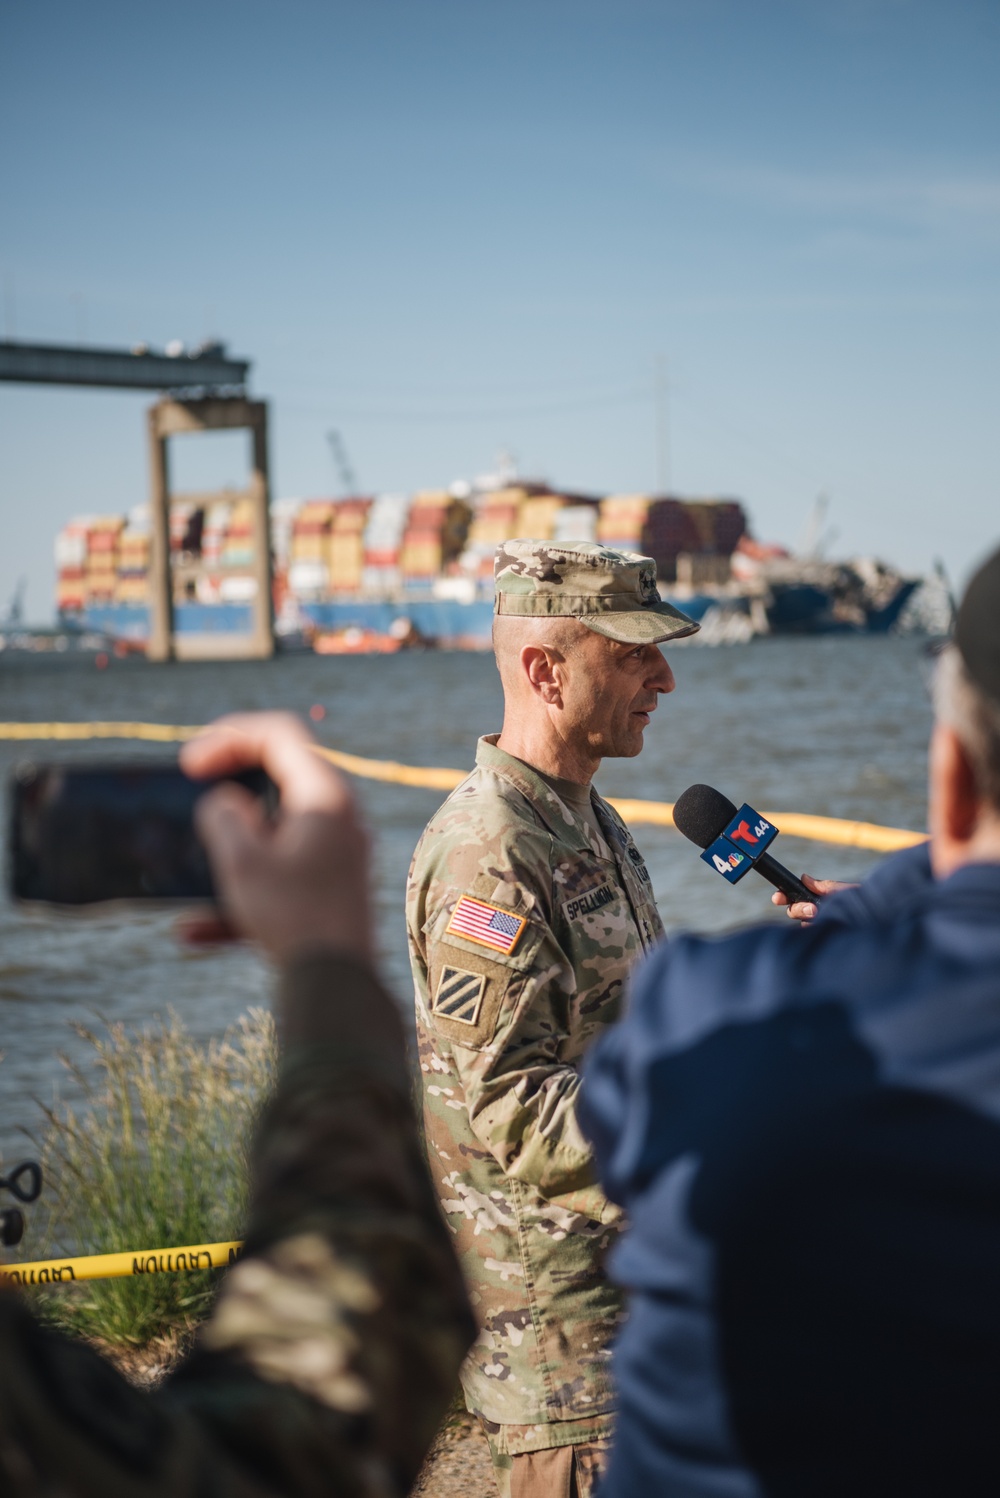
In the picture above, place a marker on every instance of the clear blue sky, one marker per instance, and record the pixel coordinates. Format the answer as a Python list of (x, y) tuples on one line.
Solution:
[(453, 227)]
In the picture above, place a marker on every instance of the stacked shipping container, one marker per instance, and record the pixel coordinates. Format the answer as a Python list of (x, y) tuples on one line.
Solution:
[(101, 565), (436, 529), (213, 537), (383, 538), (237, 544), (71, 557), (187, 522), (133, 560), (308, 572), (538, 515), (346, 553), (533, 512), (236, 556), (576, 522), (283, 513), (666, 528), (378, 548), (208, 585), (496, 520)]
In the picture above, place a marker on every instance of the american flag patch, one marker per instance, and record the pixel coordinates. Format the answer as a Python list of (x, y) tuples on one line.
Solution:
[(488, 925)]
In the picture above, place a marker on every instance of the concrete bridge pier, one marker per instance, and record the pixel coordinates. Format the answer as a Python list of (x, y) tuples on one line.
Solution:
[(171, 418)]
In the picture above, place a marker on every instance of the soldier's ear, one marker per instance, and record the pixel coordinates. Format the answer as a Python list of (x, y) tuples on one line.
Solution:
[(540, 666), (954, 806)]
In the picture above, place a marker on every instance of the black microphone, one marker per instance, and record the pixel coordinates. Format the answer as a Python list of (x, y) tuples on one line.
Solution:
[(735, 839)]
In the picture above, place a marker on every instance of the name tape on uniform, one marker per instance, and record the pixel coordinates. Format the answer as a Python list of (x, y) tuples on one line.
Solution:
[(487, 925), (589, 901)]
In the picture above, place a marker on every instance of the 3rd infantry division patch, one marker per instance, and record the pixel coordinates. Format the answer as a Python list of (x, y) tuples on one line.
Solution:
[(460, 995)]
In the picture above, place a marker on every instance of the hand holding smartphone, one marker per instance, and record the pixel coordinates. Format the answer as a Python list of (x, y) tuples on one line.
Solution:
[(90, 833), (287, 853)]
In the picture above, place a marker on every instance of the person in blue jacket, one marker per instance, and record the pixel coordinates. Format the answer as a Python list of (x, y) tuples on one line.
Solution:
[(803, 1124)]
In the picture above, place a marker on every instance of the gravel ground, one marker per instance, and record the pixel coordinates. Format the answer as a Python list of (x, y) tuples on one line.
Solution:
[(458, 1465)]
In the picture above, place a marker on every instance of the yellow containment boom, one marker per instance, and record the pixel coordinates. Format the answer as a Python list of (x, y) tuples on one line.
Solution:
[(793, 824), (847, 834), (114, 1266), (160, 733)]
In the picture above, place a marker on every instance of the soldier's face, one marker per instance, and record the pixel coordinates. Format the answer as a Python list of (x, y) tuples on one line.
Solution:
[(609, 692)]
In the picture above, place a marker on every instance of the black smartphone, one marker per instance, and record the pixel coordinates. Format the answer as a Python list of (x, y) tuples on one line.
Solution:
[(85, 834)]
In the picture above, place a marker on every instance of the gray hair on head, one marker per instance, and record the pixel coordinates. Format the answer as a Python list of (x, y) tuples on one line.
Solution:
[(511, 633), (975, 719)]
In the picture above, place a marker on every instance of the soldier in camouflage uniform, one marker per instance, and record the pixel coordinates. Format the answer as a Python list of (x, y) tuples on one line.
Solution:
[(331, 1354), (527, 905)]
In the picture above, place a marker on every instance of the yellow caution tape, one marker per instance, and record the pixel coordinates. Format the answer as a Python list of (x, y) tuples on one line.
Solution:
[(113, 1266), (847, 834)]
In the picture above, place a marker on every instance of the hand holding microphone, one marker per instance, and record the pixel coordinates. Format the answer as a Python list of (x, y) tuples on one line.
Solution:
[(735, 840), (805, 910)]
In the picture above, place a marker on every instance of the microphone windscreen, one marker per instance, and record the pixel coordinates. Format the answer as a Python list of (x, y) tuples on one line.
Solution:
[(702, 813)]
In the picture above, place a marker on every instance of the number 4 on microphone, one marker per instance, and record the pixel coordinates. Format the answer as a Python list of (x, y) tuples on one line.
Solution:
[(727, 860)]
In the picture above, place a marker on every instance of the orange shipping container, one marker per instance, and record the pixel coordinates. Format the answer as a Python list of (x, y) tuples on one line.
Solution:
[(346, 546), (315, 511), (100, 541), (310, 548), (492, 529), (433, 498), (132, 590)]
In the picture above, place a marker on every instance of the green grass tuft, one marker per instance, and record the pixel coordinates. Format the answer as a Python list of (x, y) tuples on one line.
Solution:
[(156, 1157)]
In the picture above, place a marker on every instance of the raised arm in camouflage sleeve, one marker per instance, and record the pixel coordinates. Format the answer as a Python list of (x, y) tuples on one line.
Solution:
[(333, 1348)]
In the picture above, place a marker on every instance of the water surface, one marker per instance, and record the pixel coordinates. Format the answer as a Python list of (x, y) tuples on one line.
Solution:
[(834, 726)]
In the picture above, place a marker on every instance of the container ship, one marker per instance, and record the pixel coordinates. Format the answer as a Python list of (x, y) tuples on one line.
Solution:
[(395, 571)]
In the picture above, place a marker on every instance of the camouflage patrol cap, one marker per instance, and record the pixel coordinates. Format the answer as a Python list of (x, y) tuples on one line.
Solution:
[(611, 592)]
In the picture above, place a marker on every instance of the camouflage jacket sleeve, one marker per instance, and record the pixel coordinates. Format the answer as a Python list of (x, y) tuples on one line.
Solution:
[(334, 1345), (518, 1065)]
